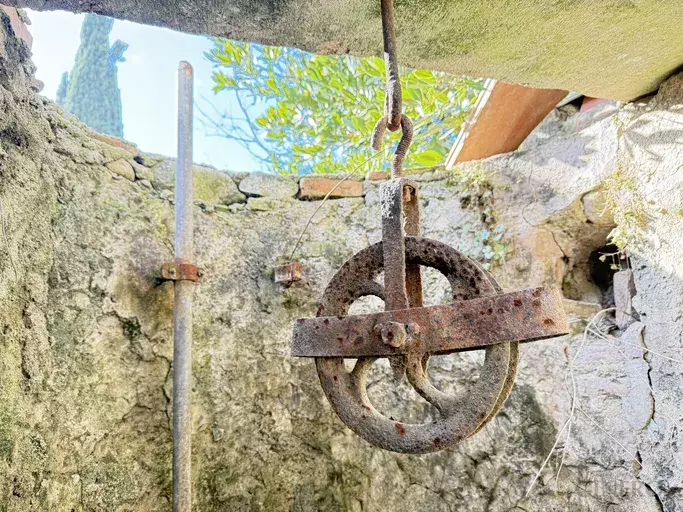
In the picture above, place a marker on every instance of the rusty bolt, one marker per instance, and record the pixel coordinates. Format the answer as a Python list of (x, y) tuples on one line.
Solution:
[(408, 193), (396, 334)]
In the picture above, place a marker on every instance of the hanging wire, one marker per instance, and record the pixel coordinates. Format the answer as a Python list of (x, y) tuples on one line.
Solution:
[(327, 196)]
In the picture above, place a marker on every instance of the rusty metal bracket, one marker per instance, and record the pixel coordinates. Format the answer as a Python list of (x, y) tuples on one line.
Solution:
[(288, 273), (180, 270), (402, 282), (463, 325)]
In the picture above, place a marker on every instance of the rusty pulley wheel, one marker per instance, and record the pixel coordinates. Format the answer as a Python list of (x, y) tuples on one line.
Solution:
[(481, 316), (459, 417)]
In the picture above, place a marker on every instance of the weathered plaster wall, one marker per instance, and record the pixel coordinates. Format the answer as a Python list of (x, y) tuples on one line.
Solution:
[(85, 350), (619, 49)]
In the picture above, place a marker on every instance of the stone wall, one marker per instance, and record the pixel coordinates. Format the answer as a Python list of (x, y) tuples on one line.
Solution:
[(86, 350)]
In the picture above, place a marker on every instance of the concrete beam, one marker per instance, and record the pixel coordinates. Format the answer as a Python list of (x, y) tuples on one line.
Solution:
[(617, 49)]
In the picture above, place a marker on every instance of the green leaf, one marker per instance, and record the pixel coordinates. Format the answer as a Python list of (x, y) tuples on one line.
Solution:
[(321, 109)]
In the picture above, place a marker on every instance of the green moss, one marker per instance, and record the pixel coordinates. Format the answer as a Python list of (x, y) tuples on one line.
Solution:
[(476, 194), (108, 484), (629, 208), (131, 328), (264, 204), (215, 187), (7, 432), (528, 42)]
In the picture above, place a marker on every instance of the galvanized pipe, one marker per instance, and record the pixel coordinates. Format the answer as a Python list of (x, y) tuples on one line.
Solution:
[(182, 309)]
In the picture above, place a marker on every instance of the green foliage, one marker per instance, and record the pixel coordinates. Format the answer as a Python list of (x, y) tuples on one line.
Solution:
[(629, 208), (306, 113), (92, 93), (61, 90), (476, 193)]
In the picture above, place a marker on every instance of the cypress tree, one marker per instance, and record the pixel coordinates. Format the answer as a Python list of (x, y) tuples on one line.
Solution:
[(61, 91), (92, 92)]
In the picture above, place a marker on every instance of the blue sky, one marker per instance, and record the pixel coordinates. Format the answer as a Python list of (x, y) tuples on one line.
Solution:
[(147, 81)]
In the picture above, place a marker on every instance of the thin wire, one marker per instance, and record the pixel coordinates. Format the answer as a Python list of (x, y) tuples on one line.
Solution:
[(635, 459), (327, 196), (642, 346)]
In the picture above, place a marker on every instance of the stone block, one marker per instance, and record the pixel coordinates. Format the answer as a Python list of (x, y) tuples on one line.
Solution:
[(260, 184), (122, 168), (266, 204), (318, 188), (20, 29), (141, 172), (114, 141), (211, 186), (215, 187), (377, 176)]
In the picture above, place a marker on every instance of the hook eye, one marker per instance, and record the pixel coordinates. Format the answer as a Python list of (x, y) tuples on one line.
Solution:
[(403, 144)]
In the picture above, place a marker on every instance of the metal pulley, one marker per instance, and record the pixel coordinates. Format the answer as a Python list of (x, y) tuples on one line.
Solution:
[(480, 316)]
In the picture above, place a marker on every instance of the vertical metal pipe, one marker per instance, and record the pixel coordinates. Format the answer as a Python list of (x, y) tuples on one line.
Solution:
[(182, 309)]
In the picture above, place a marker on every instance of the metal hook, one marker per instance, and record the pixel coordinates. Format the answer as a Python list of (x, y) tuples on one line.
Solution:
[(403, 144)]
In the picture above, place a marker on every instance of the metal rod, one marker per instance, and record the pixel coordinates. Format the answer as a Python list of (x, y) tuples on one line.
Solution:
[(393, 118), (393, 100), (182, 309)]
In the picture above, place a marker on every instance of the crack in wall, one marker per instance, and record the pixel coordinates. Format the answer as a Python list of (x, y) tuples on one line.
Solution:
[(649, 377), (660, 504)]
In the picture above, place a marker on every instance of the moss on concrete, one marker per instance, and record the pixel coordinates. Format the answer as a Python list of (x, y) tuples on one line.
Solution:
[(608, 49)]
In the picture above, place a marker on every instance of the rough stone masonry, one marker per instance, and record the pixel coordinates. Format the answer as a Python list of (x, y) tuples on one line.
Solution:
[(85, 350)]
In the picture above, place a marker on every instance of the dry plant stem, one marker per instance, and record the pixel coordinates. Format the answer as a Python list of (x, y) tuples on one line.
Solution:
[(327, 196), (613, 340), (550, 453), (573, 407), (594, 330), (574, 391), (610, 436)]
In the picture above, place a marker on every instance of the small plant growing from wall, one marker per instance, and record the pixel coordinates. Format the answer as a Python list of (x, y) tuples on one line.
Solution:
[(476, 194), (91, 92)]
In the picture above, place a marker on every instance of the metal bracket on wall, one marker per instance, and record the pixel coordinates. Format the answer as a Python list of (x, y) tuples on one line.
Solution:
[(288, 273), (180, 270)]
